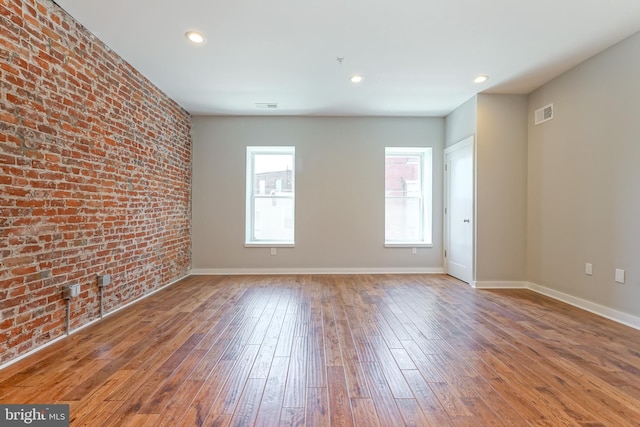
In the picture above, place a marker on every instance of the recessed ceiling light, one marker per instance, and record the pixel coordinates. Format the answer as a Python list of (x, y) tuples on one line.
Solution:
[(356, 78), (194, 37), (481, 79)]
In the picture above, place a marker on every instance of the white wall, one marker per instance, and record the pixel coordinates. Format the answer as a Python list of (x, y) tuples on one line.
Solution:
[(501, 181), (339, 192), (462, 122), (584, 180)]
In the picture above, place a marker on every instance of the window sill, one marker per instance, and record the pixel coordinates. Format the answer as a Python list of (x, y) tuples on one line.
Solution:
[(408, 245), (269, 245)]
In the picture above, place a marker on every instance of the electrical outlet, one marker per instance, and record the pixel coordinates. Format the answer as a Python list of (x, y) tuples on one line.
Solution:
[(588, 269), (619, 275), (414, 251), (71, 291), (104, 280), (273, 251)]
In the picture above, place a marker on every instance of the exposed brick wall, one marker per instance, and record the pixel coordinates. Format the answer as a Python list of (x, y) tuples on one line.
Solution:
[(95, 177)]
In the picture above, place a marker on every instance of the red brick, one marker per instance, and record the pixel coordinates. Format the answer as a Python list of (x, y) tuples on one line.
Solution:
[(30, 203), (16, 192), (7, 324), (15, 261), (8, 160), (66, 169)]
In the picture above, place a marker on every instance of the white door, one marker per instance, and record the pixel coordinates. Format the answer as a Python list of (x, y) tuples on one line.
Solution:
[(459, 218)]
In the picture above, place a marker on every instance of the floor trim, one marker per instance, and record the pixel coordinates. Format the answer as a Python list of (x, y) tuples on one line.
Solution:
[(281, 271), (601, 310), (500, 285), (592, 307)]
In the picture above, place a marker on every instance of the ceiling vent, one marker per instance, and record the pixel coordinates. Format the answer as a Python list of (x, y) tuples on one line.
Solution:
[(267, 105), (544, 114)]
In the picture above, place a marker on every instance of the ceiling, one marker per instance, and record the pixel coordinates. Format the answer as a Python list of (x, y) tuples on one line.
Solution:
[(418, 57)]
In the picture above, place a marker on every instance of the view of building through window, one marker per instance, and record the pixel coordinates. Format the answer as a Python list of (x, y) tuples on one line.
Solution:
[(270, 195), (407, 195)]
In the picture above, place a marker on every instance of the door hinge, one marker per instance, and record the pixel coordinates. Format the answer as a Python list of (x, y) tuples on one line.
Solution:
[(445, 253)]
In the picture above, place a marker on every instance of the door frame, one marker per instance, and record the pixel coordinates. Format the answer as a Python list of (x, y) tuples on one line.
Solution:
[(470, 140)]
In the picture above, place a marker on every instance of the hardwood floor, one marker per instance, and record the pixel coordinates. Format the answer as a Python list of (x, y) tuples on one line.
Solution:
[(366, 350)]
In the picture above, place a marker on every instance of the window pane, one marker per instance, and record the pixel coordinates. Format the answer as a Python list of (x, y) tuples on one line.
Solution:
[(403, 219), (407, 195), (273, 169), (270, 195), (273, 218), (402, 175)]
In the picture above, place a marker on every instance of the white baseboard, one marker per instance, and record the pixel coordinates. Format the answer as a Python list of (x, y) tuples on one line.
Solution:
[(86, 325), (592, 307), (279, 271), (601, 310), (500, 285)]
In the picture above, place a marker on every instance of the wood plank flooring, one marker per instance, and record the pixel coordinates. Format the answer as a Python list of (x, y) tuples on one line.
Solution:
[(339, 350)]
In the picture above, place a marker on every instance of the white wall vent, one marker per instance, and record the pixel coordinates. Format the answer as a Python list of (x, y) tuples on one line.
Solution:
[(544, 114), (267, 105)]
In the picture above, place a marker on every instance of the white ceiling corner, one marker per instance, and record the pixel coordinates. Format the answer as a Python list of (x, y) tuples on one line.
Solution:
[(419, 57)]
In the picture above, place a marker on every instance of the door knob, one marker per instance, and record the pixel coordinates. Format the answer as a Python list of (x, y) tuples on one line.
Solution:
[(466, 220)]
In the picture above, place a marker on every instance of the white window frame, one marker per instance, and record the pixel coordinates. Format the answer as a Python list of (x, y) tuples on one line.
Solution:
[(250, 240), (426, 155)]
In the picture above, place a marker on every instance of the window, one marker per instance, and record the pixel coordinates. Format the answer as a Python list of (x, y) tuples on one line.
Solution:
[(270, 196), (407, 205)]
